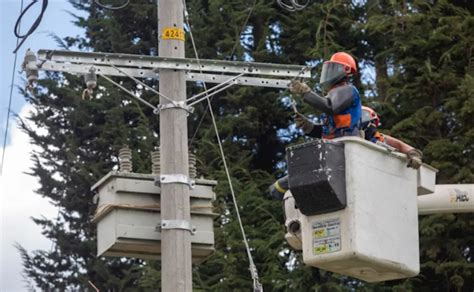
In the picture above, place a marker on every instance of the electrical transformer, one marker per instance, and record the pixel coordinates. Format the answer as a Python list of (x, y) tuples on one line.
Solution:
[(128, 216)]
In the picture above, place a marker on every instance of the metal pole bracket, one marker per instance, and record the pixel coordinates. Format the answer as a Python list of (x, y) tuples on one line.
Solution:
[(176, 178), (181, 105), (177, 224)]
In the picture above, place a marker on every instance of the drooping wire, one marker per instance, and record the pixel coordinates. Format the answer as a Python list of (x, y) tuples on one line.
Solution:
[(33, 27), (237, 41), (253, 268), (242, 29), (93, 286), (292, 5), (10, 99), (110, 7)]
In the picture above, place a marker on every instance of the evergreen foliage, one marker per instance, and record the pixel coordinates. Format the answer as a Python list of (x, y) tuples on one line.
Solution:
[(420, 52)]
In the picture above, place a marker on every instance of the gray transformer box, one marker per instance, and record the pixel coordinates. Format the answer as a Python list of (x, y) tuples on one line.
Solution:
[(128, 216)]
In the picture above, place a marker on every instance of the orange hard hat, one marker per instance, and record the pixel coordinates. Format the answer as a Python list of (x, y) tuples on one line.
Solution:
[(369, 117), (338, 68), (346, 60)]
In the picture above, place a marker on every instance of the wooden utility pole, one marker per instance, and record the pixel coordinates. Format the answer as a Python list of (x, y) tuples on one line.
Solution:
[(176, 266)]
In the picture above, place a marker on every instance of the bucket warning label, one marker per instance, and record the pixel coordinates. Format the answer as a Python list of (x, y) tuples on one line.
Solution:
[(326, 236)]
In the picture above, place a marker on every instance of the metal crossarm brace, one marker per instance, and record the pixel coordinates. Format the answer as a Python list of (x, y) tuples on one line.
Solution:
[(212, 71)]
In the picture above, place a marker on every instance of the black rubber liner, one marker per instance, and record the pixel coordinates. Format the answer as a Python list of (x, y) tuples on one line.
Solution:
[(317, 176)]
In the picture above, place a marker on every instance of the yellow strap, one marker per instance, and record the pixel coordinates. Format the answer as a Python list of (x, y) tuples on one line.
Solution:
[(279, 188)]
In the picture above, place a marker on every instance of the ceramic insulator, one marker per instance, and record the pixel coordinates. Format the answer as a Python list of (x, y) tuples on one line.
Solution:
[(155, 162), (125, 159)]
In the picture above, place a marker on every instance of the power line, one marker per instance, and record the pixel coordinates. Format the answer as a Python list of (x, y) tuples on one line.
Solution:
[(292, 5), (33, 27), (257, 286), (110, 7), (186, 15), (253, 269), (11, 95), (242, 29)]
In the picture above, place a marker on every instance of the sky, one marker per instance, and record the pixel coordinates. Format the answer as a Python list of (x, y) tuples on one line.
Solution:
[(18, 202)]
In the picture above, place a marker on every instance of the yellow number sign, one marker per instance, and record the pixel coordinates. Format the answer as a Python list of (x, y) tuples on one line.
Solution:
[(173, 33)]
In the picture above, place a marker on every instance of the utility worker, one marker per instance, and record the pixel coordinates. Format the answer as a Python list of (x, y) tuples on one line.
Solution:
[(341, 107), (370, 121), (369, 124)]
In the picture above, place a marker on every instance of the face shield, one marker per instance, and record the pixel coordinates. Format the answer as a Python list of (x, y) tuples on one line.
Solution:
[(331, 74), (367, 121)]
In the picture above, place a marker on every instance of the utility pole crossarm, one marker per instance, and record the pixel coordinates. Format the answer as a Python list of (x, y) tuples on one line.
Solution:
[(212, 71)]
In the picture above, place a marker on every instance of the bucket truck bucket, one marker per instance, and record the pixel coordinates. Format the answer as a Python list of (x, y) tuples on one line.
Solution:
[(369, 230)]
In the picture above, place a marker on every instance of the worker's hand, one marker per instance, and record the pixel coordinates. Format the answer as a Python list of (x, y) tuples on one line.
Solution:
[(414, 158), (303, 123), (299, 87), (275, 193)]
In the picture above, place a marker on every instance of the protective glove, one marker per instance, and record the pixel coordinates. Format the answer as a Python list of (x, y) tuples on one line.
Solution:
[(299, 87), (274, 193), (303, 123), (278, 189), (414, 158)]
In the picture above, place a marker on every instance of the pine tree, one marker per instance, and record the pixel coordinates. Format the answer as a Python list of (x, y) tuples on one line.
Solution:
[(80, 146), (427, 63)]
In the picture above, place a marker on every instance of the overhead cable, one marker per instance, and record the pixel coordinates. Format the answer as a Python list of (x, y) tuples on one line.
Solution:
[(292, 5), (10, 101), (186, 15), (257, 286), (242, 29), (110, 7), (33, 27)]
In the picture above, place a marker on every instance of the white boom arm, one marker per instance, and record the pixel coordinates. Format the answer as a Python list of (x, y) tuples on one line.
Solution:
[(448, 199)]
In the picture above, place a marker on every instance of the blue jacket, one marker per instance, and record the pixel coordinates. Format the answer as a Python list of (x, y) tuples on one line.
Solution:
[(347, 121)]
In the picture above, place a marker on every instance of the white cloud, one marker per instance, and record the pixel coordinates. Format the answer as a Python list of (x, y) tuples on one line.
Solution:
[(18, 203)]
